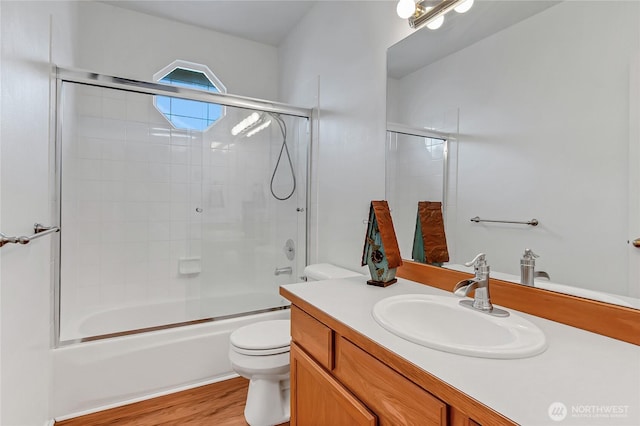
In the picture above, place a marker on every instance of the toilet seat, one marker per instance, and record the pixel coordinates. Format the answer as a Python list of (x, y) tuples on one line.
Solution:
[(263, 352), (262, 338)]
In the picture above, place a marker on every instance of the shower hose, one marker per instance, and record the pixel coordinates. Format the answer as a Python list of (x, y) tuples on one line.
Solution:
[(284, 148)]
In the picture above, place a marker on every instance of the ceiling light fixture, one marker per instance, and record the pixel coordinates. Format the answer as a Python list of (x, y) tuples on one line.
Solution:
[(433, 16)]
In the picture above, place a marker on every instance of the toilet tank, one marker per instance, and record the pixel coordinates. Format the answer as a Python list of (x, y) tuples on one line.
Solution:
[(327, 271)]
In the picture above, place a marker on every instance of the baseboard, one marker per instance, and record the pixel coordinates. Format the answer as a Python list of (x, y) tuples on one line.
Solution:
[(50, 422), (142, 398)]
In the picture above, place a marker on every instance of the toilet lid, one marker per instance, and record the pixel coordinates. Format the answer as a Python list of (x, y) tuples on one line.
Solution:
[(263, 335)]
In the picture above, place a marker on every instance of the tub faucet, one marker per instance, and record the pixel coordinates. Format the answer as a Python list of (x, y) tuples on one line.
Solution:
[(480, 283)]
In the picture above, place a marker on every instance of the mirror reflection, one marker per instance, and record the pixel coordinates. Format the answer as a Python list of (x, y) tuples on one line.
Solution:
[(415, 172), (538, 105), (429, 239)]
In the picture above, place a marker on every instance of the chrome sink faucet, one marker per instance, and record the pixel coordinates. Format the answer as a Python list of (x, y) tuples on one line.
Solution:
[(528, 271), (480, 283), (527, 267)]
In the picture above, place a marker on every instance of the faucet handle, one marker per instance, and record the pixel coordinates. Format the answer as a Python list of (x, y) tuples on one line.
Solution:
[(477, 261), (529, 254)]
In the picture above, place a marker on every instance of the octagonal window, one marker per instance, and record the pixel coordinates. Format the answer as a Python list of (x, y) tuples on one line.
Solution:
[(184, 113)]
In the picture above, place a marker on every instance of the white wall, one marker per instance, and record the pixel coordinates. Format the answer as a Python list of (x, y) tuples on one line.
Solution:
[(26, 271), (121, 42), (522, 115), (343, 45), (108, 40)]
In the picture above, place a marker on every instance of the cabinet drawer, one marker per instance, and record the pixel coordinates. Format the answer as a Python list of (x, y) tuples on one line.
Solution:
[(312, 335), (394, 398)]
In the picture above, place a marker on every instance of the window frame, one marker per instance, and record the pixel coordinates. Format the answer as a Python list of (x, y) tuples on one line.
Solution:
[(194, 67)]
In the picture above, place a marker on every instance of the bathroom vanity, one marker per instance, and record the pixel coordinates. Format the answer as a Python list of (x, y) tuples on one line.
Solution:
[(335, 381), (347, 369)]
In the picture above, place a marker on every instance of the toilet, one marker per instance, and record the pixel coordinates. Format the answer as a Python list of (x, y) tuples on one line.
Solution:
[(260, 353)]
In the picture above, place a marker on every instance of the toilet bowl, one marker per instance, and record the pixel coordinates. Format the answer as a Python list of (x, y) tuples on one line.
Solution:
[(260, 353)]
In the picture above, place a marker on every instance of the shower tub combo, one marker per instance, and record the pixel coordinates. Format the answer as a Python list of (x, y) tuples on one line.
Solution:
[(172, 236)]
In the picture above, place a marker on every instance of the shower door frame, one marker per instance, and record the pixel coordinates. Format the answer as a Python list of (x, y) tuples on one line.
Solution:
[(68, 75)]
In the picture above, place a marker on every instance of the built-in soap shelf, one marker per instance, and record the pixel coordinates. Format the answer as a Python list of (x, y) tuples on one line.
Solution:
[(190, 265)]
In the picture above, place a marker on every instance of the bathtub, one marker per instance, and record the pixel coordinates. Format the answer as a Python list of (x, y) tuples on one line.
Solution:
[(101, 374), (114, 321)]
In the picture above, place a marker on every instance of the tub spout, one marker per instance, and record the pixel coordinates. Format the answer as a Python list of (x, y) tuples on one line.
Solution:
[(287, 270)]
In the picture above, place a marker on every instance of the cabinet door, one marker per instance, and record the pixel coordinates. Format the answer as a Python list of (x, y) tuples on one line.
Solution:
[(395, 399), (318, 399)]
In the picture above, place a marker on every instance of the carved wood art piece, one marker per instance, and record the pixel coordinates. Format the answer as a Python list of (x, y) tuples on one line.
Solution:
[(381, 252), (429, 240)]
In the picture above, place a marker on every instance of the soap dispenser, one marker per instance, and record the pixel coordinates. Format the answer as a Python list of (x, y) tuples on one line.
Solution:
[(527, 267)]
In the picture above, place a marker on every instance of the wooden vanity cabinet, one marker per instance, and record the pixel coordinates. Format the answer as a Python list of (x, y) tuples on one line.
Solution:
[(336, 382)]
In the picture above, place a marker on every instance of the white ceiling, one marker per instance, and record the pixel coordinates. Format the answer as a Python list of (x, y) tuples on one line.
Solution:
[(264, 21), (269, 21)]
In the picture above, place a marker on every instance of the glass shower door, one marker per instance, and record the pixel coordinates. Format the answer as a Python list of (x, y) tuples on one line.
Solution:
[(166, 226), (254, 219)]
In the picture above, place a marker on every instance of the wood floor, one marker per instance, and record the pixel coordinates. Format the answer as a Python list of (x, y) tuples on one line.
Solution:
[(219, 404)]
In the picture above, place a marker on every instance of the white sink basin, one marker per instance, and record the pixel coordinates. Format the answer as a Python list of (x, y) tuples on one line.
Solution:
[(439, 322)]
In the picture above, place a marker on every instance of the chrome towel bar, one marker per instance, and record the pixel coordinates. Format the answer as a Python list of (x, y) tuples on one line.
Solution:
[(39, 230), (532, 222)]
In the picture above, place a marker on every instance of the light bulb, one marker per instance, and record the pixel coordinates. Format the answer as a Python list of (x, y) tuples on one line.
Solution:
[(464, 6), (406, 8), (435, 23)]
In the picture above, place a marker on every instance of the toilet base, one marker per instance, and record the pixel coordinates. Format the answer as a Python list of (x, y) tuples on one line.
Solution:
[(268, 402)]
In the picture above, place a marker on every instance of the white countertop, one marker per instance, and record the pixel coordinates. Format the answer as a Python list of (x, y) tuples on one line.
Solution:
[(590, 374)]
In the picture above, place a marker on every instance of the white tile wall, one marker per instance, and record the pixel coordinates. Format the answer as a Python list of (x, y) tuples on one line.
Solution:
[(131, 189), (126, 203), (241, 217)]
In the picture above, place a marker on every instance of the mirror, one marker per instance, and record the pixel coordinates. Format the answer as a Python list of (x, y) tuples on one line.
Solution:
[(540, 104)]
